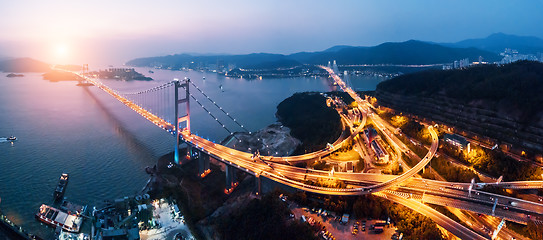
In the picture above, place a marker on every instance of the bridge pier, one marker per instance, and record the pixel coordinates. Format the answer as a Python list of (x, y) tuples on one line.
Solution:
[(189, 152), (203, 165), (258, 185), (230, 179), (494, 207)]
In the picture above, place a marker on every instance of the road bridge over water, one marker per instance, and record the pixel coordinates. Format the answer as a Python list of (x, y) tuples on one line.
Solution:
[(403, 189)]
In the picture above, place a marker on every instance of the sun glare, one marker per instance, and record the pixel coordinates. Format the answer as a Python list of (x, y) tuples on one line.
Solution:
[(60, 53), (61, 50)]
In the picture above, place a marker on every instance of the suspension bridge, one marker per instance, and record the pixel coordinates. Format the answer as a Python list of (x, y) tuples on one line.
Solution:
[(163, 105)]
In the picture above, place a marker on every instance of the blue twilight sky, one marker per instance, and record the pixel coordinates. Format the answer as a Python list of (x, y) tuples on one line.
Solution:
[(114, 31)]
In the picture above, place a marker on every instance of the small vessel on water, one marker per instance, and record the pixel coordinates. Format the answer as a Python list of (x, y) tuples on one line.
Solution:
[(72, 208), (61, 187), (11, 138), (150, 71), (57, 218)]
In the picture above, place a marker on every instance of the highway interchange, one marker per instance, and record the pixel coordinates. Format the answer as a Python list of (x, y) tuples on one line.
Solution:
[(405, 189)]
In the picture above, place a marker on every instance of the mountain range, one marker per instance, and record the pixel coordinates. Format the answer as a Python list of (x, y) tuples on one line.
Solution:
[(23, 65), (412, 52), (404, 53), (497, 42)]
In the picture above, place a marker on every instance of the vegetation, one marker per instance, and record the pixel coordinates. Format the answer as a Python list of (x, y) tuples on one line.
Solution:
[(495, 163), (419, 132), (265, 218), (409, 52), (513, 88), (452, 173), (408, 126), (413, 225), (532, 230), (197, 197), (329, 183), (409, 160), (310, 121), (345, 97), (488, 161), (394, 168), (55, 75), (320, 165)]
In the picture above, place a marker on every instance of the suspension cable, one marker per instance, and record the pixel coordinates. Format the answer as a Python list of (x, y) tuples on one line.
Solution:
[(213, 116), (220, 108)]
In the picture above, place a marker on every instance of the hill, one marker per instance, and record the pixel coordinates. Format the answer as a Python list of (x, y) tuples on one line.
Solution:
[(177, 61), (515, 87), (409, 52), (406, 53), (497, 42), (502, 102), (23, 65), (309, 120)]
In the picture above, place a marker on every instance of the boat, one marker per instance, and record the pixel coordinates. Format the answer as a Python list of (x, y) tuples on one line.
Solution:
[(57, 218), (61, 187), (72, 208), (11, 138), (151, 71)]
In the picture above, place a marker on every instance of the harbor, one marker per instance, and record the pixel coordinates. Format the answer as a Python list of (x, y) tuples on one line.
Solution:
[(132, 218)]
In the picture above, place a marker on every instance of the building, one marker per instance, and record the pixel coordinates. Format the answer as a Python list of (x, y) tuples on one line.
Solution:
[(458, 141), (370, 134), (350, 167), (345, 218), (380, 153)]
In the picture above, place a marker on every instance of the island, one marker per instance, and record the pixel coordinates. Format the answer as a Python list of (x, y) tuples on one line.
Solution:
[(125, 74), (14, 75), (56, 75)]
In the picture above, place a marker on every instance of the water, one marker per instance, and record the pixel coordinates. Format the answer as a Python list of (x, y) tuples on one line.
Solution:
[(104, 145)]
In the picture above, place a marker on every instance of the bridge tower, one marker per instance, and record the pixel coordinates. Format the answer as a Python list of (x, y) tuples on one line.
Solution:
[(186, 118), (335, 68)]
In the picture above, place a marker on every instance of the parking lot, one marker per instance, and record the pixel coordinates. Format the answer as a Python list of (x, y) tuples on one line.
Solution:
[(344, 231)]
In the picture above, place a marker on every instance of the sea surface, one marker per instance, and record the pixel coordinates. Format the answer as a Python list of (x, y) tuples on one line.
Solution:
[(105, 146)]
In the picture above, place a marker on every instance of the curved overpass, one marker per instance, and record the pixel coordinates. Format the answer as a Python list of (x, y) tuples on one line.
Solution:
[(323, 152), (279, 172)]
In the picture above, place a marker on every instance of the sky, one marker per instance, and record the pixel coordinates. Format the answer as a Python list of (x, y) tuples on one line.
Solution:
[(113, 32)]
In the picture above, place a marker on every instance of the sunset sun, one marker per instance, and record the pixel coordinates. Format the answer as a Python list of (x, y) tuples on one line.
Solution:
[(61, 50)]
